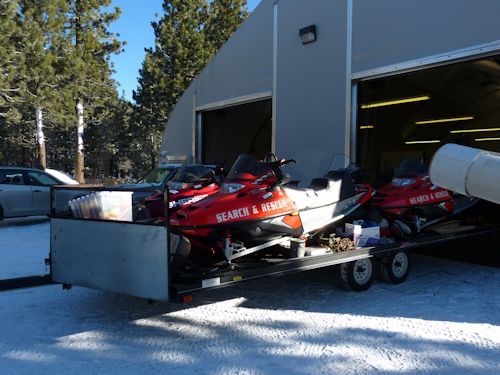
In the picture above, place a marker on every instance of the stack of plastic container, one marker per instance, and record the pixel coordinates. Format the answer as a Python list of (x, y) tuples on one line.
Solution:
[(103, 205)]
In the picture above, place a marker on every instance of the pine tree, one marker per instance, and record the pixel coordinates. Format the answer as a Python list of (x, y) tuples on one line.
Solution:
[(186, 37), (9, 84), (179, 54), (110, 141), (54, 54), (9, 56), (42, 27), (225, 16), (87, 67)]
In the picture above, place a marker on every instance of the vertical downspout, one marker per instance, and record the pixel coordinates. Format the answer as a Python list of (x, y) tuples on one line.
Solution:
[(354, 122), (200, 157), (194, 129), (349, 150), (275, 75)]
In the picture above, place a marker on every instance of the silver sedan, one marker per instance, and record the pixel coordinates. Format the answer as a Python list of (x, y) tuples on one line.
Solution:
[(25, 192)]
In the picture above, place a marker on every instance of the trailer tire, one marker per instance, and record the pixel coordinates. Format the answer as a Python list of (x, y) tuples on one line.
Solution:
[(394, 268), (357, 275)]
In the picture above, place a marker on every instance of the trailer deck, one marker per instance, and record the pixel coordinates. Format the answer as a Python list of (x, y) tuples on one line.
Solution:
[(283, 266), (127, 271)]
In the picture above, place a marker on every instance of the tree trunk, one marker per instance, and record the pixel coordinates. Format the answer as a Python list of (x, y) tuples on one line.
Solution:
[(79, 158), (40, 138)]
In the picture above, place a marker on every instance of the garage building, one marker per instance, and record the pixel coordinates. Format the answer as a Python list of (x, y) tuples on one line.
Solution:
[(328, 82)]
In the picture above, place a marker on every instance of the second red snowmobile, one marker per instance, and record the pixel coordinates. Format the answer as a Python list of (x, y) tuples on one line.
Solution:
[(190, 184), (256, 210), (412, 203)]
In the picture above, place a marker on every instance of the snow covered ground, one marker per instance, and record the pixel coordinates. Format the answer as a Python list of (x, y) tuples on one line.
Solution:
[(23, 249), (444, 320)]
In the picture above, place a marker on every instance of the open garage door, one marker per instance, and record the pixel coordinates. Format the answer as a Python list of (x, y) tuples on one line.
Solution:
[(412, 115), (241, 129)]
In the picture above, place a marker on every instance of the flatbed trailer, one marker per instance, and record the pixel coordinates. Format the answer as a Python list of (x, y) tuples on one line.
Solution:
[(379, 254), (134, 259), (112, 265)]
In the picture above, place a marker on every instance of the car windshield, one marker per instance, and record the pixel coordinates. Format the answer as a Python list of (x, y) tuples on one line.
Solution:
[(247, 167), (411, 168), (158, 175)]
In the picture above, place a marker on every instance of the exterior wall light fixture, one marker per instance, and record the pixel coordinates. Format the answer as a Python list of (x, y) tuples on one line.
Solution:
[(308, 34)]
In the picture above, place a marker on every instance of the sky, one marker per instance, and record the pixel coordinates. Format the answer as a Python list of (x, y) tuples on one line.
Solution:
[(134, 26)]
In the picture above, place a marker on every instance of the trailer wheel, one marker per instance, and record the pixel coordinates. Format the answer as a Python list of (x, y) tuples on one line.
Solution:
[(395, 267), (357, 275)]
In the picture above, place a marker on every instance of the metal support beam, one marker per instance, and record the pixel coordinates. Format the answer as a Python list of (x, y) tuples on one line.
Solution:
[(25, 282)]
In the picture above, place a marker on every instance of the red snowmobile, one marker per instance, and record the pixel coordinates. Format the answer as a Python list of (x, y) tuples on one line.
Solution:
[(255, 210), (411, 203), (190, 184)]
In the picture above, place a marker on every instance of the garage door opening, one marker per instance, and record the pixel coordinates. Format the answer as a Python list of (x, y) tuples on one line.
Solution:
[(410, 116), (242, 129)]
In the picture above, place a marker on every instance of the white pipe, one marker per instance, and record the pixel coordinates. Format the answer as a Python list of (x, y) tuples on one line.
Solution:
[(467, 171)]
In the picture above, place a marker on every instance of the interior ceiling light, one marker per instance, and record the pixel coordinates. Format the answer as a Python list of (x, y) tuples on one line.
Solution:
[(363, 127), (437, 121), (487, 139), (419, 142), (395, 101), (474, 130)]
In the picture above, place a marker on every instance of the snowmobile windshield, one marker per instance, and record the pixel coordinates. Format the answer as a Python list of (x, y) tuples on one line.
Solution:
[(247, 168), (189, 175), (411, 168), (158, 175)]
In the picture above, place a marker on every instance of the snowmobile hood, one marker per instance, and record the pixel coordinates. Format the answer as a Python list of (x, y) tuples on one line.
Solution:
[(224, 208), (420, 192)]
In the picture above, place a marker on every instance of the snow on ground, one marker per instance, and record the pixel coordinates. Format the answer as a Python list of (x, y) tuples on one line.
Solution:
[(23, 249), (444, 320)]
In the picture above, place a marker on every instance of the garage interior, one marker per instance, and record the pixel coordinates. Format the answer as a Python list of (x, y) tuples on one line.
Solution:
[(410, 116), (241, 129)]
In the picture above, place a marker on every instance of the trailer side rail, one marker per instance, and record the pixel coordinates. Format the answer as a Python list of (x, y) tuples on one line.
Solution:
[(26, 282)]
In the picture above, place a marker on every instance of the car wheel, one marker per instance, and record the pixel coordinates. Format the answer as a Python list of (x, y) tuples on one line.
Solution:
[(1, 213)]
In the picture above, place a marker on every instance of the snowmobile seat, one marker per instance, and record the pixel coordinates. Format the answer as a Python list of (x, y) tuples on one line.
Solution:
[(347, 188), (334, 187), (285, 179), (319, 183)]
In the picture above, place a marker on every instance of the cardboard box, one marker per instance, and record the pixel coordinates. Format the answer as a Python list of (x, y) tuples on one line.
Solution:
[(362, 237)]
